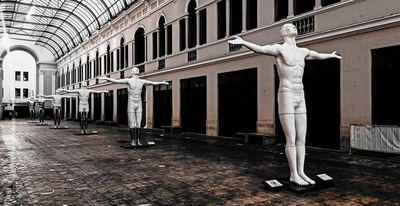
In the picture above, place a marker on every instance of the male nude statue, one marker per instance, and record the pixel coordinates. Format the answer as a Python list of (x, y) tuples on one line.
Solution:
[(292, 106), (84, 94), (135, 86), (31, 102), (56, 106)]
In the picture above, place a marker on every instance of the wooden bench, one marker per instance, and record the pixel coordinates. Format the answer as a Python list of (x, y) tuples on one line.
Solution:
[(267, 139), (172, 129)]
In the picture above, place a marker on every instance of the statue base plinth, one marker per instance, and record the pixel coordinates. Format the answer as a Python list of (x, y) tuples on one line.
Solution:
[(144, 144), (87, 133), (43, 124), (322, 181), (63, 127), (32, 121)]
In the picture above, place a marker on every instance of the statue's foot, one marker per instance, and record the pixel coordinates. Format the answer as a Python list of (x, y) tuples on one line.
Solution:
[(86, 132), (298, 180), (82, 132), (133, 144), (139, 143), (307, 179), (55, 127)]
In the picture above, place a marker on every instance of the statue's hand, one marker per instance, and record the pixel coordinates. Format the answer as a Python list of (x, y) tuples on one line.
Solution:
[(237, 40), (165, 82), (336, 55)]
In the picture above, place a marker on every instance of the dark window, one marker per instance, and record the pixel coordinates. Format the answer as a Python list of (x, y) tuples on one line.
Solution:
[(139, 46), (192, 30), (302, 6), (236, 17), (161, 30), (26, 76), (169, 39), (251, 19), (118, 60), (203, 26), (182, 34), (112, 62), (281, 9), (328, 2), (122, 54), (221, 7), (17, 76), (25, 93), (126, 56), (17, 93), (154, 35), (108, 59)]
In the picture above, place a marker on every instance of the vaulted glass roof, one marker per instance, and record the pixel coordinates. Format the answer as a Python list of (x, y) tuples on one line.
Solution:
[(58, 25)]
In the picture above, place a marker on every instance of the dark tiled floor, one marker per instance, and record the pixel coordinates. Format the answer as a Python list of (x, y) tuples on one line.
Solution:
[(42, 166)]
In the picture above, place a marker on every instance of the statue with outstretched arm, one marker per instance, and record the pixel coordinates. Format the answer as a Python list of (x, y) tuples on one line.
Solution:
[(135, 86), (31, 102), (83, 94), (57, 98), (291, 102)]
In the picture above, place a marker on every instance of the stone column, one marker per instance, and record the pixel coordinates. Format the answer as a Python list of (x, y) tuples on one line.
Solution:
[(317, 4), (187, 30), (228, 16), (291, 8), (41, 81), (53, 82), (244, 15), (198, 28)]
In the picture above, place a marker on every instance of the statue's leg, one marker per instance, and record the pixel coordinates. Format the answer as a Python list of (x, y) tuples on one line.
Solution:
[(85, 121), (82, 122), (55, 117), (301, 130), (58, 116), (138, 116), (288, 125), (132, 129)]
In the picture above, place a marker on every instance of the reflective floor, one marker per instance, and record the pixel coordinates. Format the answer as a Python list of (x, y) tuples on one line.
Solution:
[(43, 166)]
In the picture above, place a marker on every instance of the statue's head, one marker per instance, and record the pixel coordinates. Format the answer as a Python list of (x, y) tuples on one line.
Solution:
[(289, 30), (135, 71)]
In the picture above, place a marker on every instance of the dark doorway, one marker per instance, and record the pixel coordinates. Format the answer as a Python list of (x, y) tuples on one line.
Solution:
[(62, 108), (68, 108), (162, 105), (194, 104), (73, 108), (385, 75), (237, 102), (122, 109), (109, 106), (322, 93), (21, 111), (97, 106)]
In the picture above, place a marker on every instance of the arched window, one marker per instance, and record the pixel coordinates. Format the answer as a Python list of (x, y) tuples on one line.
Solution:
[(87, 67), (139, 46), (161, 29), (108, 59), (192, 30), (121, 61), (96, 65)]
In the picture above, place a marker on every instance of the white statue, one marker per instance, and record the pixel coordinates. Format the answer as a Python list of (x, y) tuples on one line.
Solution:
[(135, 85), (31, 101), (292, 106), (56, 106), (36, 102), (84, 94)]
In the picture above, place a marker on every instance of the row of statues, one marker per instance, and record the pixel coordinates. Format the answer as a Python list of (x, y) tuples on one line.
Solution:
[(291, 102)]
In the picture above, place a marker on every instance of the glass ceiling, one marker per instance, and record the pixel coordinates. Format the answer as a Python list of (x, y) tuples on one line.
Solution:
[(58, 25)]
